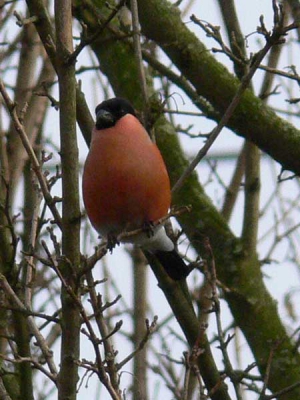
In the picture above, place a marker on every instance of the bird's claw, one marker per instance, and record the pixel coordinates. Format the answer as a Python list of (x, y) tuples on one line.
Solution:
[(112, 242), (148, 228)]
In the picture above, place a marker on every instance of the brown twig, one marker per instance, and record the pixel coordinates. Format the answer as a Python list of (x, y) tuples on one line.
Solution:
[(187, 376), (98, 308), (268, 371), (32, 240), (87, 40), (34, 329), (150, 329), (99, 368), (126, 235), (173, 213), (212, 279), (274, 38), (11, 106), (139, 59), (282, 392), (34, 363)]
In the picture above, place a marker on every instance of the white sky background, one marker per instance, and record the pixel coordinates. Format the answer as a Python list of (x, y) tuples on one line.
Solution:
[(279, 277)]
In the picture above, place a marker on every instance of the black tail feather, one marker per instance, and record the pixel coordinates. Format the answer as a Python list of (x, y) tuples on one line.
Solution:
[(173, 264)]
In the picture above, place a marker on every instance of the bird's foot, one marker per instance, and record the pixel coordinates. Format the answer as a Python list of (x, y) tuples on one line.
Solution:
[(112, 242), (148, 228), (198, 264)]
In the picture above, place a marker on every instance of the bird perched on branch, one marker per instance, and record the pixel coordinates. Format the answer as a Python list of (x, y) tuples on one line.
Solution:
[(126, 185)]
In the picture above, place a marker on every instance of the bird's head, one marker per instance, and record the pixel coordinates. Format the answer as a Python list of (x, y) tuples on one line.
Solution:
[(110, 111)]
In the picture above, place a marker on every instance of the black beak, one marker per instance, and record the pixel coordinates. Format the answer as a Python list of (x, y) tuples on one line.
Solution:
[(104, 119)]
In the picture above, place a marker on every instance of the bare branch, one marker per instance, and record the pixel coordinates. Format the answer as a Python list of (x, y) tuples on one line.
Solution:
[(35, 163), (34, 329)]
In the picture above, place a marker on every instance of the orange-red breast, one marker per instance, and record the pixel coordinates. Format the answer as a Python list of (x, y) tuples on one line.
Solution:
[(126, 185)]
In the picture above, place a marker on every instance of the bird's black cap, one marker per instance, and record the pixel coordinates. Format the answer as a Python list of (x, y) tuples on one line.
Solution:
[(110, 111)]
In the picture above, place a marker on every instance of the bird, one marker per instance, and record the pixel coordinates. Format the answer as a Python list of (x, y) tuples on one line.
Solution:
[(126, 185)]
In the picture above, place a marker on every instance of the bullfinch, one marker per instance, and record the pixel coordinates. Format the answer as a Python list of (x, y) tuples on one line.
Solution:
[(126, 184)]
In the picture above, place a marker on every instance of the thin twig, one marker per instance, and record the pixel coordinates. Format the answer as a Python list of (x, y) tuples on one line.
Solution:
[(150, 328), (11, 106), (282, 392), (30, 360), (212, 279), (87, 40), (34, 329), (174, 212), (102, 249), (100, 370), (268, 371), (271, 40), (98, 308), (139, 58), (30, 260)]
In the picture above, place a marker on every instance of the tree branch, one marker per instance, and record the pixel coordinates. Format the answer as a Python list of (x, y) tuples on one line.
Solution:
[(70, 319)]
